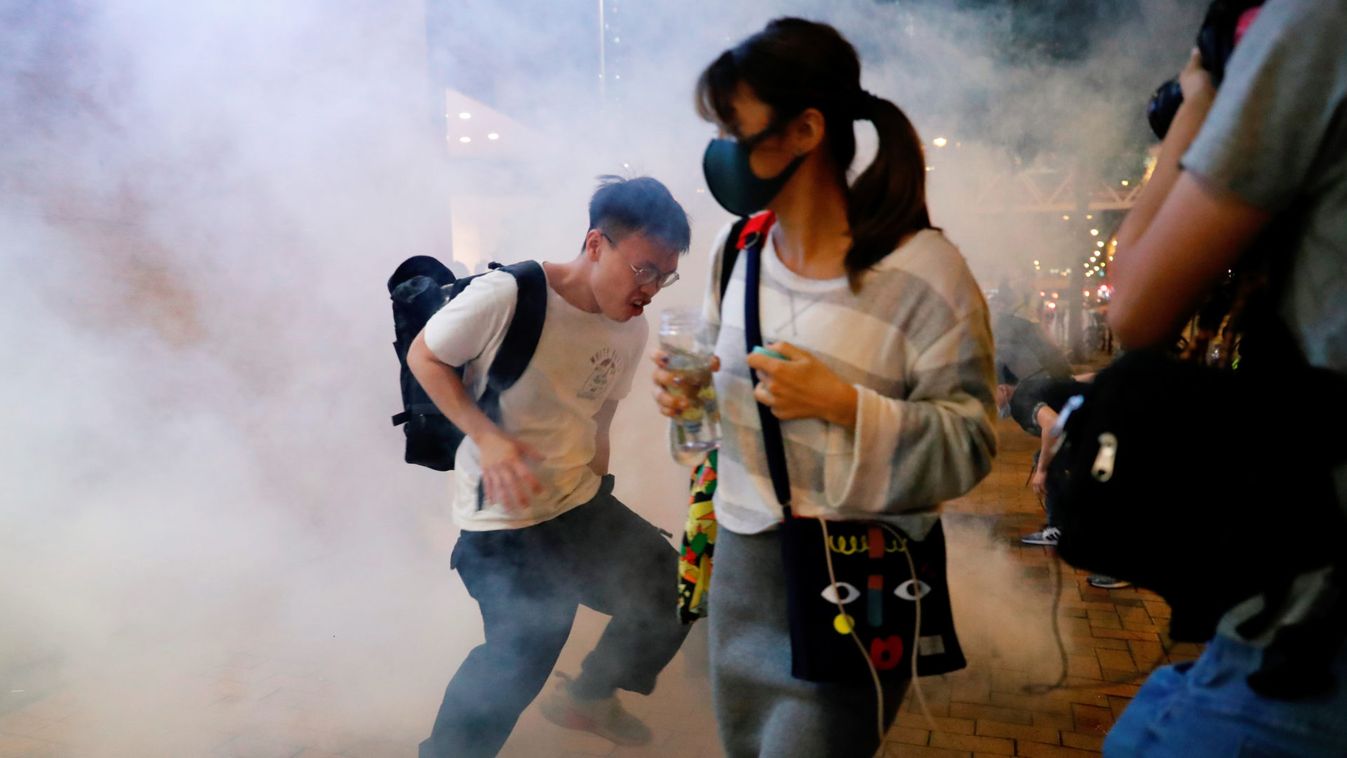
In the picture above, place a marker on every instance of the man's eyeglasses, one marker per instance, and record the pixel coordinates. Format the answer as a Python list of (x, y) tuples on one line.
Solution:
[(646, 275)]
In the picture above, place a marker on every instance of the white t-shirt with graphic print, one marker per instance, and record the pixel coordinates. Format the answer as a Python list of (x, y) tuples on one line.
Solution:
[(582, 361)]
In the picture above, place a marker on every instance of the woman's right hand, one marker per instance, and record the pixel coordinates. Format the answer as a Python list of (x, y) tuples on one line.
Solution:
[(667, 382)]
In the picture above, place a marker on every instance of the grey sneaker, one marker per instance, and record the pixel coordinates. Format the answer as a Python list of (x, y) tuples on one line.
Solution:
[(1048, 535), (605, 717)]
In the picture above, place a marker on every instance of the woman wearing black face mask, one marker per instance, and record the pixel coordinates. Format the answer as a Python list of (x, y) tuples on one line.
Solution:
[(884, 398)]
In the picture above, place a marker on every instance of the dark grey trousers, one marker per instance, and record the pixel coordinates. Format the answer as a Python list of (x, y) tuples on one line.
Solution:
[(761, 709), (528, 583)]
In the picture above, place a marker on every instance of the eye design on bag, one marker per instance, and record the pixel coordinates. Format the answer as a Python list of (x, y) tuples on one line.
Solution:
[(905, 590), (847, 592)]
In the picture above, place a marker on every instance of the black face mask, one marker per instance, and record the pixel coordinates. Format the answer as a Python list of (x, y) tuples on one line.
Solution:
[(733, 183)]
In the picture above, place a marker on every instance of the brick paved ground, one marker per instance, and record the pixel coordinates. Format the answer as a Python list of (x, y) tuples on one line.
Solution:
[(1112, 638)]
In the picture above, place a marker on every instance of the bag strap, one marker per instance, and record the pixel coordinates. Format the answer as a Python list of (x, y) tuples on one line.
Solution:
[(521, 338), (751, 240), (519, 343)]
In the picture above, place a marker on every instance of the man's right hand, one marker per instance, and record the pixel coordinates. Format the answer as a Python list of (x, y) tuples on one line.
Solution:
[(1047, 419), (1039, 482), (506, 473)]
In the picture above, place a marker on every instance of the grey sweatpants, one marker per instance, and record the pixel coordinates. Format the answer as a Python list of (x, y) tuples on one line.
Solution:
[(761, 709)]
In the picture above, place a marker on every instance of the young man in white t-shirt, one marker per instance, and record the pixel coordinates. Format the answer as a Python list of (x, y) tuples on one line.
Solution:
[(541, 530)]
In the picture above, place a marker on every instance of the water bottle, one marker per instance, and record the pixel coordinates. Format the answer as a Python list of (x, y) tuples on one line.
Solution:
[(685, 339)]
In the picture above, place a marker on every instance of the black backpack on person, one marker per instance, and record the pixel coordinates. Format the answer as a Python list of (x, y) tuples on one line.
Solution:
[(1210, 484), (419, 287)]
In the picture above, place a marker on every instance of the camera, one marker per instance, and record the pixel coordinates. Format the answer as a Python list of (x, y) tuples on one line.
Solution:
[(1221, 30)]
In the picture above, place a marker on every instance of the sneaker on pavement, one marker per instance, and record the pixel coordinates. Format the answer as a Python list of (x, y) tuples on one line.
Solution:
[(1046, 536), (605, 717), (1105, 582)]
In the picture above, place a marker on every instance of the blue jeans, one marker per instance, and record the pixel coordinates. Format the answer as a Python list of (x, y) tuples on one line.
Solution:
[(1205, 708)]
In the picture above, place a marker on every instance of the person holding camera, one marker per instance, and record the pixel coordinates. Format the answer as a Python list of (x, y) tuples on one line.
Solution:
[(1264, 161)]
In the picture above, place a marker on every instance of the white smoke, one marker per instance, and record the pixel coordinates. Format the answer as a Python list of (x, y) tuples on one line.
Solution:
[(202, 502)]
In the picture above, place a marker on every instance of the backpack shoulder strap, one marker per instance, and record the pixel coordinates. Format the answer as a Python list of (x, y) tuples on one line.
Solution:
[(730, 254), (526, 327)]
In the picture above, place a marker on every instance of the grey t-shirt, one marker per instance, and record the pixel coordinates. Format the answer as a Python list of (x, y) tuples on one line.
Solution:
[(1276, 137)]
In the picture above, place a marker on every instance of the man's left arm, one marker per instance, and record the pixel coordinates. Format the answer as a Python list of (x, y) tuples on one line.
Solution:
[(1259, 152)]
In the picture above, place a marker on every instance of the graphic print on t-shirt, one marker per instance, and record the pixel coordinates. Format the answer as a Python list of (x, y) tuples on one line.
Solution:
[(606, 365)]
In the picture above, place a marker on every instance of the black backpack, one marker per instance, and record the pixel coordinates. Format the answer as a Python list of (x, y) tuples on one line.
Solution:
[(419, 287)]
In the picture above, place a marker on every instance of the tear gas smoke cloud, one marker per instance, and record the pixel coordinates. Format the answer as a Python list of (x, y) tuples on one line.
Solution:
[(202, 500)]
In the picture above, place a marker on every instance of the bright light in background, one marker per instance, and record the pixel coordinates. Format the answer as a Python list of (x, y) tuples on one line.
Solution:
[(939, 142), (465, 115), (1094, 232), (465, 140), (493, 136), (469, 244), (1125, 182), (1066, 218)]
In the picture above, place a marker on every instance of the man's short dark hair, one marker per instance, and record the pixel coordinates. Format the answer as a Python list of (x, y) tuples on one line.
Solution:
[(639, 206)]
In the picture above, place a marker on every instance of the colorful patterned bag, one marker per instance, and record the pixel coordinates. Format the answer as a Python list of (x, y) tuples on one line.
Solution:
[(698, 544)]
